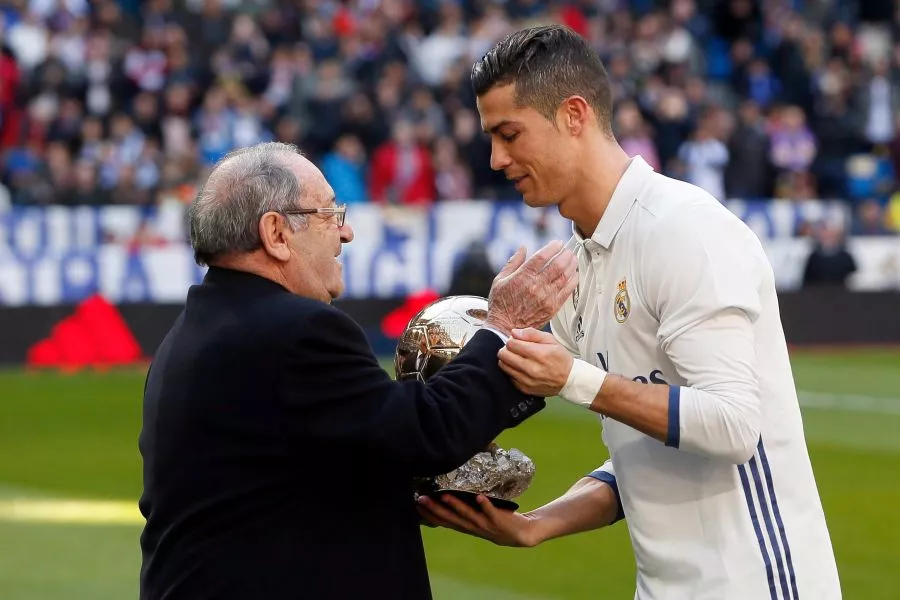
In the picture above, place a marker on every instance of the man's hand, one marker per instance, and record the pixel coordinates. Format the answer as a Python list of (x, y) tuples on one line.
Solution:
[(537, 364), (527, 293), (502, 527)]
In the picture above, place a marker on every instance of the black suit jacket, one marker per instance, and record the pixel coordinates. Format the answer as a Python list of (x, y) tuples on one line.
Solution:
[(278, 453)]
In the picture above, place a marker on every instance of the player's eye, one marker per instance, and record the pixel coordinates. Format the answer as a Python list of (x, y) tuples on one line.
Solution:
[(509, 138)]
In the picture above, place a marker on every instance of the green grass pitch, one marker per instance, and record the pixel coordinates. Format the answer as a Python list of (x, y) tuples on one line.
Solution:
[(75, 437)]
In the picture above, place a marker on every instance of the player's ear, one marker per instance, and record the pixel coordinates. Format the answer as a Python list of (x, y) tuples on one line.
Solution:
[(576, 113)]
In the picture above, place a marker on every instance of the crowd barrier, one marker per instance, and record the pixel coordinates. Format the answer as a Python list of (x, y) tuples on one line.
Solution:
[(819, 317), (61, 255)]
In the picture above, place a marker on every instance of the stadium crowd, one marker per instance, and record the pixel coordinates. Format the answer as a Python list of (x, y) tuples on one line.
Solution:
[(129, 101)]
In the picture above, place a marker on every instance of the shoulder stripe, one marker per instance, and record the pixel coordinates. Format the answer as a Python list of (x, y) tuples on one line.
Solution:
[(783, 534)]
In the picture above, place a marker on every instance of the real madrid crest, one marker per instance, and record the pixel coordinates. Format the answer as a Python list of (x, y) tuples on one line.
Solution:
[(621, 302)]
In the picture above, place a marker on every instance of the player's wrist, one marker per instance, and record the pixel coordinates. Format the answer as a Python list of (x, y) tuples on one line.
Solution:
[(583, 384), (533, 532)]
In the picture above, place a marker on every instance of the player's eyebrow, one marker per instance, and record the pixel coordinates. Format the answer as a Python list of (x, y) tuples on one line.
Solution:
[(495, 128)]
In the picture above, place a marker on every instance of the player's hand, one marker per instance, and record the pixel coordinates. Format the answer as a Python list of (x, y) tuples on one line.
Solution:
[(503, 527), (527, 293), (537, 364)]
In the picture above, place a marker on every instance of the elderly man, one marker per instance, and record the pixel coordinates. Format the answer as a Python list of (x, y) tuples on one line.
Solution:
[(277, 452)]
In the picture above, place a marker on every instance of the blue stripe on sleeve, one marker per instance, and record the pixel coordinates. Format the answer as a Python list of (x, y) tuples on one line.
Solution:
[(610, 480), (673, 435), (771, 487), (745, 483), (767, 519)]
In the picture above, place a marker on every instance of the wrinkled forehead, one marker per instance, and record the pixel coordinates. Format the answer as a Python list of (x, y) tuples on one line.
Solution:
[(316, 190)]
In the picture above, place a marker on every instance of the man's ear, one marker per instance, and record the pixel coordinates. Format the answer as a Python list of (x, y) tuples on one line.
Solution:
[(576, 114), (273, 233)]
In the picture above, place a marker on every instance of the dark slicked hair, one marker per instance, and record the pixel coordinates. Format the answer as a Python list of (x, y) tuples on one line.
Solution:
[(548, 64)]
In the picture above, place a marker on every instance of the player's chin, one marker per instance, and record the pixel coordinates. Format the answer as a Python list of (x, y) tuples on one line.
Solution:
[(535, 200)]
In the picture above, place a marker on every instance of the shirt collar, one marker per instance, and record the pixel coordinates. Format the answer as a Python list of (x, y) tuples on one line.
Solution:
[(623, 197), (232, 278)]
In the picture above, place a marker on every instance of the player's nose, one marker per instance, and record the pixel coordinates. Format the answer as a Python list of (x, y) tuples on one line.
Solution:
[(499, 157)]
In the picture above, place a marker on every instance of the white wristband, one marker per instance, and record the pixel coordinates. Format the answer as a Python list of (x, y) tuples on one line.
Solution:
[(583, 384)]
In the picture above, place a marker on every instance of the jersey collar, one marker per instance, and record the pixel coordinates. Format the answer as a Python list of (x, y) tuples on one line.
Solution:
[(623, 197)]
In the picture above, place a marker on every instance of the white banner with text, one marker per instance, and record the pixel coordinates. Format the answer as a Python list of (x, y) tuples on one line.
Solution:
[(60, 255)]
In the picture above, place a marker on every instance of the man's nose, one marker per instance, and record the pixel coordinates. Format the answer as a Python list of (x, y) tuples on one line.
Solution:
[(499, 157), (346, 234)]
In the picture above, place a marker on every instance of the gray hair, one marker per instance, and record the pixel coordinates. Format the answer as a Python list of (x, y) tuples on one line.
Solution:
[(242, 187)]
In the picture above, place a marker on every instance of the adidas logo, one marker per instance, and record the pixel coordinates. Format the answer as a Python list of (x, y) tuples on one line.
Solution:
[(95, 336)]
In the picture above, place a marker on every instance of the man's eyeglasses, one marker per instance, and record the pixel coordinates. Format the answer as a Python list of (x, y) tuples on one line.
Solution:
[(338, 212)]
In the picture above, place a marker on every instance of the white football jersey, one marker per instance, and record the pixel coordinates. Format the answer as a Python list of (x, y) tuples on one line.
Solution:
[(676, 290)]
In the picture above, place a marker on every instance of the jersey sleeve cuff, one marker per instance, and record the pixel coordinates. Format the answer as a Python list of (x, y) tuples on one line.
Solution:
[(673, 433), (610, 480)]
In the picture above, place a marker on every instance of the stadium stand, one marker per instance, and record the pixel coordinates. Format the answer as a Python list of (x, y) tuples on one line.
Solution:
[(127, 102)]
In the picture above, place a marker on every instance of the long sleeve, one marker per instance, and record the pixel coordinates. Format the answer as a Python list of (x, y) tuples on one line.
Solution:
[(702, 280), (607, 474), (423, 428)]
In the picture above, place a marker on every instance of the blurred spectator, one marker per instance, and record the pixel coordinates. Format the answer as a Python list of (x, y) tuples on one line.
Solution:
[(892, 213), (793, 146), (829, 263), (434, 53), (360, 119), (671, 126), (345, 169), (452, 179), (738, 18), (476, 149), (214, 124), (425, 114), (893, 147), (839, 136), (789, 63), (21, 173), (402, 171), (704, 158), (749, 174), (870, 219), (870, 175), (879, 103), (57, 170), (84, 187), (29, 40), (146, 63), (67, 124), (761, 86), (126, 189), (634, 134)]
